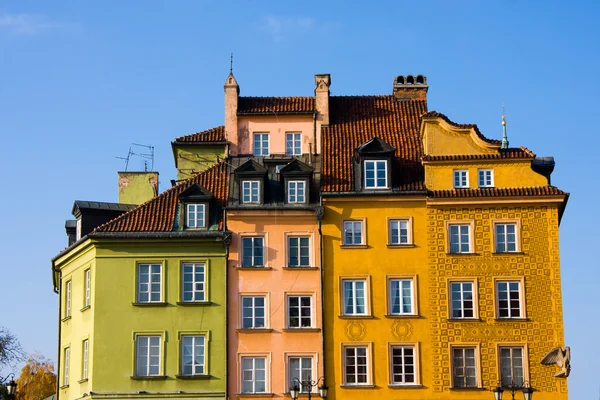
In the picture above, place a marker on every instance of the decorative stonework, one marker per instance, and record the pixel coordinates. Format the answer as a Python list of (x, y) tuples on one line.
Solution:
[(402, 329), (355, 330)]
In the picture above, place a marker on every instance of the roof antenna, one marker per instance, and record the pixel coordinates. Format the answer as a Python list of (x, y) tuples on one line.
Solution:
[(504, 137), (231, 64)]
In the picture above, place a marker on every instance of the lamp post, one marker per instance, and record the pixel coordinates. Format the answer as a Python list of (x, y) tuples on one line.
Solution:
[(11, 385), (308, 385), (513, 388)]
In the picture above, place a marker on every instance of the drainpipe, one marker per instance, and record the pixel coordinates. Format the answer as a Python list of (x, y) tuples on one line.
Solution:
[(59, 292), (315, 131), (226, 242), (320, 214)]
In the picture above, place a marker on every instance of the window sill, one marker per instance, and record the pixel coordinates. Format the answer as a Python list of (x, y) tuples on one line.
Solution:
[(400, 246), (468, 389), (254, 330), (367, 386), (149, 378), (194, 303), (68, 317), (356, 317), (301, 268), (85, 308), (82, 380), (462, 254), (409, 386), (253, 268), (254, 394), (150, 304), (354, 246), (300, 330), (464, 320), (507, 253), (193, 377), (402, 316), (511, 319), (64, 387)]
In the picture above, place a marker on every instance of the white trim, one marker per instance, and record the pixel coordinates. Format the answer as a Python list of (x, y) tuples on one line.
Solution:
[(486, 174), (460, 178), (194, 291), (149, 290), (376, 169), (368, 363), (193, 223), (254, 188)]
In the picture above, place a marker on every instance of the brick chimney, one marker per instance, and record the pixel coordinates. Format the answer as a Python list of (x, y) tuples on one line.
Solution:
[(137, 187), (232, 91), (410, 87), (322, 83)]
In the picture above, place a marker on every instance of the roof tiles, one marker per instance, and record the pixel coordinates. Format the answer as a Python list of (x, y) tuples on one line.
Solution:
[(498, 192), (275, 105), (502, 154), (216, 134)]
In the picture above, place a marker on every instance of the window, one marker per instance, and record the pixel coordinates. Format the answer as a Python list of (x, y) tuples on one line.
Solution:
[(149, 283), (511, 365), (300, 368), (296, 192), (254, 375), (147, 355), (192, 354), (87, 295), (486, 178), (461, 178), (460, 238), (66, 360), (250, 192), (376, 175), (253, 251), (85, 351), (400, 231), (299, 311), (353, 234), (194, 282), (509, 299), (68, 299), (464, 367), (78, 229), (298, 251), (403, 365), (506, 237), (261, 144), (356, 365), (195, 216), (354, 297), (401, 296), (293, 144), (253, 312), (462, 304)]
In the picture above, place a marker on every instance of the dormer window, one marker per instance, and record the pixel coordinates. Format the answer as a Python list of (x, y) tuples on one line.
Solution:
[(195, 216), (296, 178), (373, 165), (195, 207), (376, 173), (250, 192), (251, 178), (296, 191)]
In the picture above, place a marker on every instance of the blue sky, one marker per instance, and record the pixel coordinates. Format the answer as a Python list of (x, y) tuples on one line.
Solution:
[(81, 81)]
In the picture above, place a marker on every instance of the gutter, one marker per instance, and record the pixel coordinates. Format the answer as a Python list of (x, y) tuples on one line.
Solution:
[(58, 290), (226, 242), (156, 235)]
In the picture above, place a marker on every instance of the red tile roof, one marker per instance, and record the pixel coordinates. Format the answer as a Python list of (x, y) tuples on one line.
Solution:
[(275, 105), (158, 214), (498, 192), (435, 114), (502, 154), (210, 135), (355, 120)]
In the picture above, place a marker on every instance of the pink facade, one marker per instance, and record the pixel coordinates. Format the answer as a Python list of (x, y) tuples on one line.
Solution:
[(276, 127)]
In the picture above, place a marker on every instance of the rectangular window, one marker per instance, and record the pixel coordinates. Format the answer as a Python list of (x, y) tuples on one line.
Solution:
[(486, 178), (250, 192), (68, 299), (194, 282), (299, 311), (404, 365), (356, 365), (464, 367), (353, 233), (87, 296), (506, 237), (84, 360), (300, 368), (298, 251), (399, 231), (192, 354), (261, 144), (66, 361), (460, 238), (461, 178), (401, 296), (354, 299), (293, 144), (296, 192), (195, 216), (147, 355), (511, 366), (253, 251), (462, 304), (253, 312), (376, 175), (78, 229), (254, 375), (149, 283), (509, 299)]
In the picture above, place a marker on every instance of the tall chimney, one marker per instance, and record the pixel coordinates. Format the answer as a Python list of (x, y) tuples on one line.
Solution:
[(137, 187), (232, 91), (410, 87), (322, 83)]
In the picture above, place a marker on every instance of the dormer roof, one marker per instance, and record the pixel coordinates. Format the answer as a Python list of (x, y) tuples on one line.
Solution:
[(195, 193), (376, 147), (250, 169), (296, 168)]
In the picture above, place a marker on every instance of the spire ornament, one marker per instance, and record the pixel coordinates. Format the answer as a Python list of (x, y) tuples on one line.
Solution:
[(504, 137)]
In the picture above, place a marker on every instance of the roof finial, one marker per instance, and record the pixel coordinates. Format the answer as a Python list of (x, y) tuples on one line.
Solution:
[(504, 137), (231, 64)]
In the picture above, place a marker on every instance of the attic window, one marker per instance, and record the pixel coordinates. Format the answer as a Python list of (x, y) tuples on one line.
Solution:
[(296, 191), (195, 216), (250, 192), (376, 174), (78, 229)]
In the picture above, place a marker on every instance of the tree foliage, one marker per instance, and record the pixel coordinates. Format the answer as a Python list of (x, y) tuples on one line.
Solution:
[(37, 380), (11, 351)]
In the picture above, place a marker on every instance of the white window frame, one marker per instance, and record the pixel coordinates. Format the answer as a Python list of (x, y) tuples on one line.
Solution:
[(415, 364), (391, 228), (485, 177), (353, 223), (85, 349), (412, 301), (475, 368), (149, 339), (66, 365), (68, 298), (253, 188), (296, 139), (520, 290), (254, 263), (261, 138), (354, 300), (150, 291), (376, 169), (517, 237), (254, 323), (299, 246), (195, 209), (461, 178), (299, 308), (199, 287), (194, 338), (293, 187), (474, 300), (311, 377), (524, 362), (367, 347), (253, 370), (78, 229), (469, 242), (87, 291)]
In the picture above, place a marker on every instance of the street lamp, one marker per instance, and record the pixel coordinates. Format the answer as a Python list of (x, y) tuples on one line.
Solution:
[(513, 388), (11, 386), (308, 384)]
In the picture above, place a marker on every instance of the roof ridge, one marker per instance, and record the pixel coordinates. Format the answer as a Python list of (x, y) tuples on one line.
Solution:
[(277, 97)]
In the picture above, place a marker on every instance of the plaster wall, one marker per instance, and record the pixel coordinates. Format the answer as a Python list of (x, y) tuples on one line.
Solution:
[(191, 160), (277, 127), (137, 187)]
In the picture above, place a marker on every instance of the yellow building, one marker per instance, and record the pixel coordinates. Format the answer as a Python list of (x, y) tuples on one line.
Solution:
[(441, 260)]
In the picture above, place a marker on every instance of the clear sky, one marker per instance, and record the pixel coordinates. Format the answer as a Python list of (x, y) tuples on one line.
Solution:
[(81, 81)]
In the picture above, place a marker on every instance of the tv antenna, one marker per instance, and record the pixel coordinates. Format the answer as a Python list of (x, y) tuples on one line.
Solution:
[(148, 156)]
